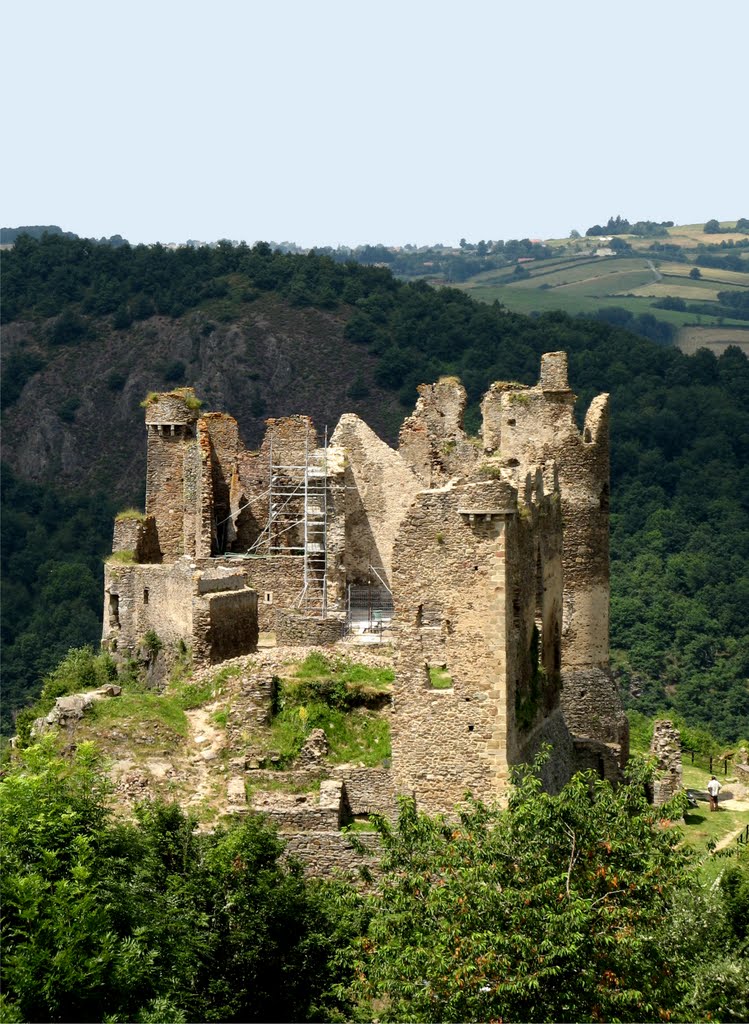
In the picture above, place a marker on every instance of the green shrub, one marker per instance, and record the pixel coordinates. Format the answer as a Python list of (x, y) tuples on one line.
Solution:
[(153, 642), (80, 670)]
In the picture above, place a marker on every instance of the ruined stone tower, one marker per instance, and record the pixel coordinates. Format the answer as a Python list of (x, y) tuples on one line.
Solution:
[(173, 470), (534, 426)]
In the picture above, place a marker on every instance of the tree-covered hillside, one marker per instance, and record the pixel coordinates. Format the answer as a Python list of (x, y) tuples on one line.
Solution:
[(680, 429)]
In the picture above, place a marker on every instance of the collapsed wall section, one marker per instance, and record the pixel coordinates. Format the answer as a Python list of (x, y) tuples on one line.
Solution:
[(432, 440), (379, 488)]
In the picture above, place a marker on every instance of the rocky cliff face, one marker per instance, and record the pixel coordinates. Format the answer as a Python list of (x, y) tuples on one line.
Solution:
[(77, 421)]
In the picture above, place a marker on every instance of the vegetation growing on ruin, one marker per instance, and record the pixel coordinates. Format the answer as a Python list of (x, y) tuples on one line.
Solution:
[(440, 678), (340, 703), (352, 675), (151, 718), (124, 557), (80, 670), (130, 514), (193, 693), (151, 920)]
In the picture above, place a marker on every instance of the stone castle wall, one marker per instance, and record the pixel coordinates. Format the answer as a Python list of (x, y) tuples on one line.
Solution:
[(216, 617), (465, 589), (379, 488)]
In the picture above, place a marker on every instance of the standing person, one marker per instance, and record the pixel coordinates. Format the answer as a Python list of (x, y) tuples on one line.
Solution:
[(713, 788)]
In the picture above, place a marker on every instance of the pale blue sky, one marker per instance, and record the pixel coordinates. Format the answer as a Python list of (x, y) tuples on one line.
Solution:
[(327, 122)]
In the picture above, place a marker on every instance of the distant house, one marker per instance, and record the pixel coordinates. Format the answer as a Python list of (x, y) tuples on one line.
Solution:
[(526, 259), (604, 251)]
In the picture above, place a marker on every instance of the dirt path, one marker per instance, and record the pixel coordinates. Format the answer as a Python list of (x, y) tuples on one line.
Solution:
[(657, 274), (204, 745), (727, 840)]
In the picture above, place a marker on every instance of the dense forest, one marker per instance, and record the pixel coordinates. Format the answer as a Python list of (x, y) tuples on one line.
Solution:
[(680, 445)]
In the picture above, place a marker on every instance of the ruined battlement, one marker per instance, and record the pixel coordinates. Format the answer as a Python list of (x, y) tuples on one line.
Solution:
[(485, 558), (172, 408)]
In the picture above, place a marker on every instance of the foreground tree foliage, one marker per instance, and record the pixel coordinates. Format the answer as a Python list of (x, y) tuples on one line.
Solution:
[(150, 921), (573, 907), (581, 906)]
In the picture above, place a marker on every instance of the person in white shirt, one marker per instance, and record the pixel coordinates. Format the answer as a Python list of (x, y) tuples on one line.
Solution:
[(713, 788)]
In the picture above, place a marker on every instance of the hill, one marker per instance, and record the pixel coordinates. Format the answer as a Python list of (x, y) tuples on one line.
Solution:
[(683, 286), (90, 329)]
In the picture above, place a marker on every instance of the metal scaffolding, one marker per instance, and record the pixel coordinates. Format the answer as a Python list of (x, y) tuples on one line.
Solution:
[(298, 521)]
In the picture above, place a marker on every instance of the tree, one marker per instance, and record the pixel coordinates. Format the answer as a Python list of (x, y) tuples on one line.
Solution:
[(554, 909), (152, 921), (712, 227), (695, 273)]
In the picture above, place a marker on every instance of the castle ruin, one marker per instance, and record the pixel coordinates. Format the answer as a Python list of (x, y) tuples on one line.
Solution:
[(486, 561)]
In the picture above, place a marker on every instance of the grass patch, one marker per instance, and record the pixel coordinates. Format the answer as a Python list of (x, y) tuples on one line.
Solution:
[(220, 717), (130, 513), (125, 557), (80, 670), (190, 695), (354, 733), (439, 678), (145, 711), (317, 666)]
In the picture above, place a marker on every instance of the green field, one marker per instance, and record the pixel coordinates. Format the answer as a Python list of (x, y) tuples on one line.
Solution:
[(582, 283)]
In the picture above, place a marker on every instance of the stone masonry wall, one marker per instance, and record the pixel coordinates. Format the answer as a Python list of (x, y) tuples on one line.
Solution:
[(665, 747), (170, 426), (225, 625), (368, 790), (536, 426), (466, 587), (379, 487), (278, 582), (449, 582), (333, 853), (301, 631), (432, 440), (138, 536), (139, 598)]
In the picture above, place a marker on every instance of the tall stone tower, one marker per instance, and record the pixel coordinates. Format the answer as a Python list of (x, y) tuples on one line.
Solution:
[(535, 426), (173, 470), (477, 586)]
